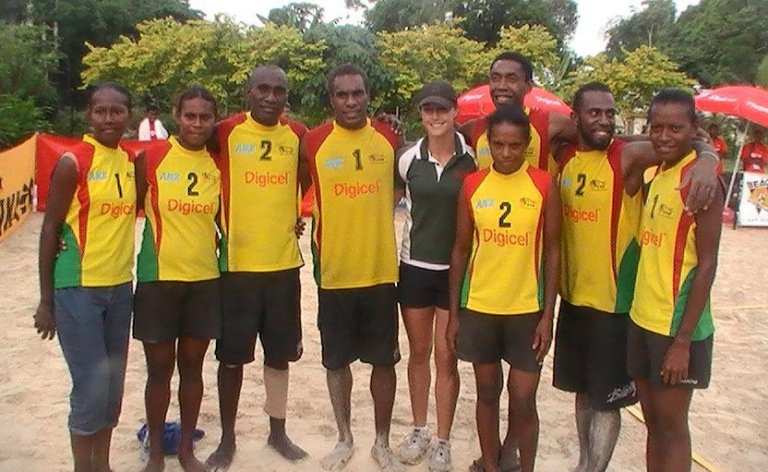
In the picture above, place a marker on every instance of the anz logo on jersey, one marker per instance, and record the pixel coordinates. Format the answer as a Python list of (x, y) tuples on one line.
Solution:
[(334, 163)]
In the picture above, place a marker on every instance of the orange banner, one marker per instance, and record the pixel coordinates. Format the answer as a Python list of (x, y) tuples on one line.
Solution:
[(17, 171)]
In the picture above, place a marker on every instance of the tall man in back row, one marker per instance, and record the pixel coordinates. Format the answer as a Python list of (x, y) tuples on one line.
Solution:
[(259, 257), (352, 164)]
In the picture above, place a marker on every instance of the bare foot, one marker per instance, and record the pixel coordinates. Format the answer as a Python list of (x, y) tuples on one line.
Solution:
[(221, 458), (338, 458), (154, 465), (386, 459), (286, 448), (190, 463)]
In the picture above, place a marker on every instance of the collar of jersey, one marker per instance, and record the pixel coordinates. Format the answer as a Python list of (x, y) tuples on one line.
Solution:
[(260, 126), (523, 168)]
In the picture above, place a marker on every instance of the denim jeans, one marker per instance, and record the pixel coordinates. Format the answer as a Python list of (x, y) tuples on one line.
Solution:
[(93, 327)]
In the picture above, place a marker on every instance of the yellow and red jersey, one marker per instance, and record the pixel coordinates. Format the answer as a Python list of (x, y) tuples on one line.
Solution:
[(353, 232), (538, 153), (98, 229), (181, 204), (599, 226), (668, 257), (504, 274), (260, 194)]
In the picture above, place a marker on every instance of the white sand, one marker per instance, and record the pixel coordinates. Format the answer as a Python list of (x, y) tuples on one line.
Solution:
[(729, 421)]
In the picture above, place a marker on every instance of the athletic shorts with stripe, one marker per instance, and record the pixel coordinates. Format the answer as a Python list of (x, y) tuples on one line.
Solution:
[(265, 305), (590, 356), (358, 323)]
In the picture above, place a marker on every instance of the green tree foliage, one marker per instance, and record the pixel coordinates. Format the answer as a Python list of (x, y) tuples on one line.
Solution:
[(761, 77), (302, 16), (19, 119), (721, 41), (650, 26), (633, 79), (483, 19), (535, 42), (27, 57), (419, 55), (716, 41), (169, 56), (27, 98)]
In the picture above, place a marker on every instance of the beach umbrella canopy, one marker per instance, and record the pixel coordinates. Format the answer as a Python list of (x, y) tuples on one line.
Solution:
[(477, 103), (744, 101)]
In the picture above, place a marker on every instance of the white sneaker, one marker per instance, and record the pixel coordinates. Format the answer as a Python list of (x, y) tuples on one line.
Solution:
[(415, 446), (440, 456)]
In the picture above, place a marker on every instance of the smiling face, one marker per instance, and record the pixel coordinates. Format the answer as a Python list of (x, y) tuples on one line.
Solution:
[(109, 115), (267, 93), (508, 82), (349, 101), (196, 117), (671, 130), (437, 120), (596, 119), (508, 143)]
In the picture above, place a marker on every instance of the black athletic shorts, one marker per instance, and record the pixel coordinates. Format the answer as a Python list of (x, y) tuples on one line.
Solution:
[(358, 323), (260, 304), (485, 339), (421, 288), (167, 310), (645, 355), (590, 356)]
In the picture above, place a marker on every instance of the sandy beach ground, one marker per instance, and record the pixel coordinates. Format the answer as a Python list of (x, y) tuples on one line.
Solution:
[(729, 421)]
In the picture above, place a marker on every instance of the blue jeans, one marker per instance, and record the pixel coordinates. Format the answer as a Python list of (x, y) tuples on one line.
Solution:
[(93, 325)]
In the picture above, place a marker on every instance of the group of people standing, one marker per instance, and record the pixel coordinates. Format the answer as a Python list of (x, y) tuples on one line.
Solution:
[(502, 214)]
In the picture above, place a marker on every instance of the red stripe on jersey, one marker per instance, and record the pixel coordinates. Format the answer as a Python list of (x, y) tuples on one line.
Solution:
[(313, 139), (471, 184), (542, 181), (540, 122), (681, 239), (568, 153), (223, 131), (84, 156), (154, 156), (614, 151), (385, 129)]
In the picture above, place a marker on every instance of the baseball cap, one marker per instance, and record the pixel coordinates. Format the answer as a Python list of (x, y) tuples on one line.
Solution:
[(438, 92)]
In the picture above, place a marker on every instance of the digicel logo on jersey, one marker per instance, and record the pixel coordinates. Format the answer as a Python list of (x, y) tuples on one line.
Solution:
[(355, 190), (186, 208), (504, 238), (265, 179), (649, 238), (117, 210), (577, 216)]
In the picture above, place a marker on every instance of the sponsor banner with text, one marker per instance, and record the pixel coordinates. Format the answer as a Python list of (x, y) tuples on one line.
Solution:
[(17, 172)]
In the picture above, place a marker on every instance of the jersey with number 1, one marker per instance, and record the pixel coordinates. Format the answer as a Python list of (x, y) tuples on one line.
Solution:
[(668, 258), (353, 231), (259, 172), (98, 228), (504, 274), (181, 204)]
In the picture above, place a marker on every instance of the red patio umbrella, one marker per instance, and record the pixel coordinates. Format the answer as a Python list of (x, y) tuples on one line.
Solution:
[(744, 101), (477, 103)]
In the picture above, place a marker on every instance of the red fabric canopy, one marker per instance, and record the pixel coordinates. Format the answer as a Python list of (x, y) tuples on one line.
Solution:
[(744, 101)]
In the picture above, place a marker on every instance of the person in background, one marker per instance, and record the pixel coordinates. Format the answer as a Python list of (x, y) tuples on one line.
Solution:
[(754, 155), (151, 128)]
